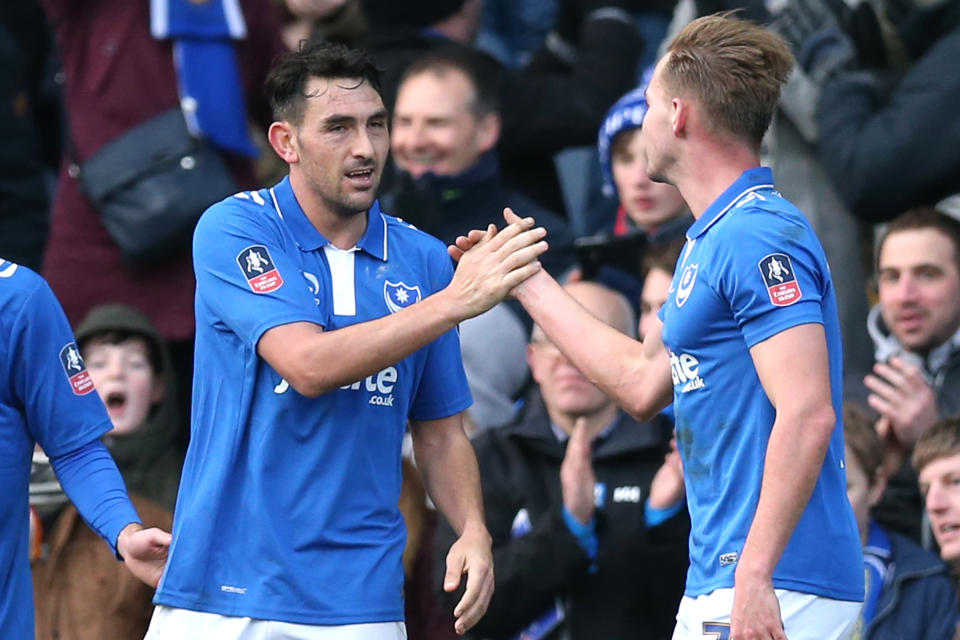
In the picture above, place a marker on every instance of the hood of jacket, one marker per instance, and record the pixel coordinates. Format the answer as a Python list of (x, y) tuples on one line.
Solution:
[(886, 346)]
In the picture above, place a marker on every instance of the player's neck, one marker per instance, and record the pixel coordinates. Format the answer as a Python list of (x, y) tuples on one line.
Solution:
[(712, 168), (342, 231)]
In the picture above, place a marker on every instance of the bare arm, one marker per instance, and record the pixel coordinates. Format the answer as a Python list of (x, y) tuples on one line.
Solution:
[(636, 375), (449, 467), (315, 361), (798, 443)]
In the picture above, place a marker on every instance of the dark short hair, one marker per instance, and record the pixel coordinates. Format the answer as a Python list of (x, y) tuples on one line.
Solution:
[(860, 435), (483, 78), (119, 336), (924, 218), (734, 69), (286, 83), (939, 441)]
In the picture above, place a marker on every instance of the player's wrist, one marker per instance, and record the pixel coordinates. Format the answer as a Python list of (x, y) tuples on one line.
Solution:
[(478, 530), (752, 571), (448, 307), (531, 289), (123, 539)]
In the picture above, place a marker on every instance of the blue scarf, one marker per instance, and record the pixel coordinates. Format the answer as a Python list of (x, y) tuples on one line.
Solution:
[(211, 90), (877, 556)]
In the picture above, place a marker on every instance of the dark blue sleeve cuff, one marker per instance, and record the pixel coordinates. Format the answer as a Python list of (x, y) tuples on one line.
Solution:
[(654, 516), (586, 534)]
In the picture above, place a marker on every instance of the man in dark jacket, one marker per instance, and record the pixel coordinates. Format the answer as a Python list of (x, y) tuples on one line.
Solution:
[(588, 525), (446, 124), (556, 101)]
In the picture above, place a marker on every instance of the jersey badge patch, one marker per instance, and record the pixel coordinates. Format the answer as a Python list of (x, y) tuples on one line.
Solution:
[(398, 295), (259, 269), (781, 281), (687, 278), (76, 371)]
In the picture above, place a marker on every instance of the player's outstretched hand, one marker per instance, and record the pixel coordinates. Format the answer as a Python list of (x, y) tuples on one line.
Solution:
[(756, 610), (144, 551), (495, 263), (471, 554), (464, 243)]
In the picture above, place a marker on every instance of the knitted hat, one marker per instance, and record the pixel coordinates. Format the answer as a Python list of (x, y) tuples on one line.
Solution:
[(625, 114)]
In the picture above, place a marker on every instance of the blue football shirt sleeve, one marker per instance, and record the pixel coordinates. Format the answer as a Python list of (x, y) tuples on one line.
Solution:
[(62, 409), (248, 273), (443, 389), (770, 275), (93, 483)]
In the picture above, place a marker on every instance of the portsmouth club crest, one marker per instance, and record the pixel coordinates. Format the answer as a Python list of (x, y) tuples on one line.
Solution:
[(781, 281), (259, 270), (75, 369), (687, 278), (397, 295)]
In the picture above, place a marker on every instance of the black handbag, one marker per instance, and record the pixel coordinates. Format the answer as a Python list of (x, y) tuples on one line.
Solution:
[(151, 185)]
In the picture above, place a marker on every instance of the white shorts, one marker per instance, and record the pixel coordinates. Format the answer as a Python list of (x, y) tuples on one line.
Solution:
[(805, 616), (170, 623)]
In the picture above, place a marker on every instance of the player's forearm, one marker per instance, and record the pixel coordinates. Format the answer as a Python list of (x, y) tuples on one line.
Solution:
[(92, 482), (608, 358), (332, 359), (451, 477), (795, 453)]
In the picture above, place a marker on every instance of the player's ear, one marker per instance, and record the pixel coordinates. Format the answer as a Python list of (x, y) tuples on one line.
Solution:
[(488, 132), (679, 115), (282, 137)]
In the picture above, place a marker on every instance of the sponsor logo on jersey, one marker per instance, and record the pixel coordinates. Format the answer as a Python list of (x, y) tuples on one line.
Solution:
[(687, 278), (685, 370), (229, 588), (75, 369), (398, 295), (781, 281), (258, 268), (379, 386), (727, 559)]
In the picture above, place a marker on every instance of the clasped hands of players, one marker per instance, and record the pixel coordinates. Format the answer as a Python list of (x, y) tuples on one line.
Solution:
[(491, 262), (512, 252), (144, 551)]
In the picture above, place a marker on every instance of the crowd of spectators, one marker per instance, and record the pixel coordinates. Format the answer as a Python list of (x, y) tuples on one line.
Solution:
[(585, 506)]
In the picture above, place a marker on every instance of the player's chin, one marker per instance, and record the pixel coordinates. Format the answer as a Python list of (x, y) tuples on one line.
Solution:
[(361, 200)]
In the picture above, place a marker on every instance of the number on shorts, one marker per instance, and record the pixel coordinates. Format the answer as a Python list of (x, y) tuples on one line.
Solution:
[(719, 630)]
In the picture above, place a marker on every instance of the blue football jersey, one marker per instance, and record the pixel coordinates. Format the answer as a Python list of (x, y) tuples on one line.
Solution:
[(288, 505), (46, 397), (751, 268)]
